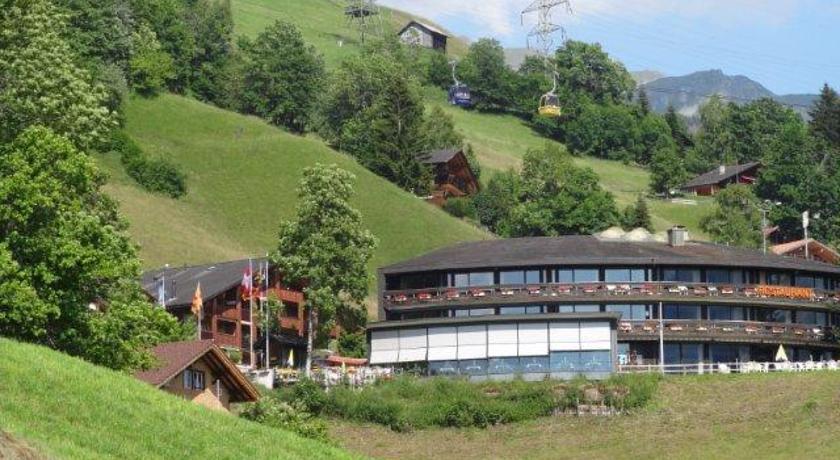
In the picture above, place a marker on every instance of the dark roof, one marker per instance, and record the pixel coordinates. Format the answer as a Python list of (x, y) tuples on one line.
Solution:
[(439, 156), (431, 29), (715, 177), (590, 250), (174, 357), (215, 278), (380, 325)]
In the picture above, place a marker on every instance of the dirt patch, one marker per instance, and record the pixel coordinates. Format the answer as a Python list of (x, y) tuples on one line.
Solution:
[(13, 449)]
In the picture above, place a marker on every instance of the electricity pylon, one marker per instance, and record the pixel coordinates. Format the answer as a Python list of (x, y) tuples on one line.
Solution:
[(544, 29), (365, 16)]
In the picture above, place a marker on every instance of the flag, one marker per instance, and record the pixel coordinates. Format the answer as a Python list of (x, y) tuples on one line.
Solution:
[(247, 284), (197, 303), (263, 288), (161, 291), (805, 219)]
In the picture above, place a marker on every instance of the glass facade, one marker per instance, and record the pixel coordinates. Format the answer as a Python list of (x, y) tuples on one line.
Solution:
[(726, 313), (630, 312), (580, 361), (625, 275), (577, 275), (673, 311)]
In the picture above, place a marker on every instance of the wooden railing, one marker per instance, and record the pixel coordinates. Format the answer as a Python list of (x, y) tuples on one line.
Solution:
[(602, 290), (786, 332)]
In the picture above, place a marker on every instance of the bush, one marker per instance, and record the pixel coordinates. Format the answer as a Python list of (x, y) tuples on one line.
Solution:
[(460, 207), (279, 414), (353, 345), (306, 393), (153, 174)]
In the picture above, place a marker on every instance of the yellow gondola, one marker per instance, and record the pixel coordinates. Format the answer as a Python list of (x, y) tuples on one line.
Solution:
[(549, 105)]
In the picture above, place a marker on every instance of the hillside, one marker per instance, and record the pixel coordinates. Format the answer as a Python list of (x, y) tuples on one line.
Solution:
[(322, 24), (242, 175), (688, 92), (734, 416), (66, 408)]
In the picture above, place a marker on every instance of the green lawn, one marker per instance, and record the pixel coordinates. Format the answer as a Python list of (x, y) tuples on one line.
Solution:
[(321, 22), (66, 408), (242, 176), (735, 416)]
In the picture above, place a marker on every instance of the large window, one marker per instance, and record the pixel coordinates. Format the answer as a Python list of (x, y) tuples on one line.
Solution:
[(472, 279), (683, 353), (684, 275), (624, 275), (463, 312), (779, 279), (534, 364), (472, 367), (420, 281), (577, 275), (580, 361), (719, 276), (520, 277), (771, 315), (811, 317), (630, 312), (504, 366), (226, 326), (681, 311), (721, 353), (724, 313), (443, 367), (589, 308), (528, 310), (193, 380)]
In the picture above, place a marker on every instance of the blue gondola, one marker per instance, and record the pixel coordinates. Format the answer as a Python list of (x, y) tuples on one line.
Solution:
[(459, 94)]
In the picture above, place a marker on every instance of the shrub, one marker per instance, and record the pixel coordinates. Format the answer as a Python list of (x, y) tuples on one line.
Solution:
[(308, 394), (631, 391), (460, 207), (153, 174), (353, 345), (279, 414)]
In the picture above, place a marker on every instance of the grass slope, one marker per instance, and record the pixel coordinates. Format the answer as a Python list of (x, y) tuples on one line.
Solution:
[(242, 176), (735, 416), (66, 408), (322, 23), (500, 141)]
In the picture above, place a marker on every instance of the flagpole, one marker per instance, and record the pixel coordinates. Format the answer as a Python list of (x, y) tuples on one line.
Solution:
[(251, 312), (268, 320)]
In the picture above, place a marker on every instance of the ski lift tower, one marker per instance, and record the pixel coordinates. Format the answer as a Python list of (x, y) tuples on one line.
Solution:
[(544, 29), (365, 16)]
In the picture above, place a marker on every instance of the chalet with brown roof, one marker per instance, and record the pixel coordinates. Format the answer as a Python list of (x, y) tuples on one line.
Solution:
[(421, 34), (201, 372), (816, 250), (453, 175), (713, 181)]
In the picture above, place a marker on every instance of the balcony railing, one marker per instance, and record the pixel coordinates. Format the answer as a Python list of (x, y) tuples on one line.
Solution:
[(637, 291), (722, 330)]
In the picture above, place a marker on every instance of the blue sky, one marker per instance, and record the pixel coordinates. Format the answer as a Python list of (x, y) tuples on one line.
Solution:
[(790, 46)]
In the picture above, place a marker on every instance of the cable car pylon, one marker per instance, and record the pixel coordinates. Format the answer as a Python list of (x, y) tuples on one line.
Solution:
[(543, 31)]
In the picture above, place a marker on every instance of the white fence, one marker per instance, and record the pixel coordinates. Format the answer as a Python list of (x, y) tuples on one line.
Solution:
[(729, 368)]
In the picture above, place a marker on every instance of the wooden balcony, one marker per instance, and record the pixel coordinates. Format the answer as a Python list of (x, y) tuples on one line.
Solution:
[(728, 331), (625, 292)]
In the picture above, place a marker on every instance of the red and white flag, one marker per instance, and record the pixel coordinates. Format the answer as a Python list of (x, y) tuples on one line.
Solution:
[(247, 283)]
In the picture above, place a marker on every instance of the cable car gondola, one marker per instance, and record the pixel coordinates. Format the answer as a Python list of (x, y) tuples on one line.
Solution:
[(550, 103), (459, 93)]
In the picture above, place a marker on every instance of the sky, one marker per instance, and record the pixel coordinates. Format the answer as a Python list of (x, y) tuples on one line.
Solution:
[(789, 46)]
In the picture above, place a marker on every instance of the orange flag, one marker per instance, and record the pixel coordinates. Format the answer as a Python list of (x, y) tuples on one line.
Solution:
[(197, 302)]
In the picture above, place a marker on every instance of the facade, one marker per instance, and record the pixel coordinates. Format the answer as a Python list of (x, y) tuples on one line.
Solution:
[(200, 372), (453, 175), (816, 250), (710, 183), (228, 316), (420, 34), (640, 302)]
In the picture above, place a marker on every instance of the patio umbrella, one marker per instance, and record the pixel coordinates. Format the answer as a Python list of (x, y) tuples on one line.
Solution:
[(781, 355), (291, 361)]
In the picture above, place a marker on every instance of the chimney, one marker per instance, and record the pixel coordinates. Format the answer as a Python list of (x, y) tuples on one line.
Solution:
[(722, 170), (677, 236)]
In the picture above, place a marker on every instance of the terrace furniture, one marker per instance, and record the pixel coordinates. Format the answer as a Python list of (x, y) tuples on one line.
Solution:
[(647, 289), (424, 296), (702, 328), (563, 289), (400, 298), (727, 329), (506, 292), (727, 290), (590, 289), (478, 293), (625, 327), (683, 290), (817, 331), (724, 369), (750, 329), (673, 289), (700, 290), (623, 289), (713, 290), (534, 290), (750, 292), (675, 327), (799, 331), (453, 294), (648, 327), (777, 330)]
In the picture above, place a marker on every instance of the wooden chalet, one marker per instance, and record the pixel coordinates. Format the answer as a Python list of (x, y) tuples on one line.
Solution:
[(422, 34), (201, 372), (713, 181), (453, 175), (227, 316), (816, 250)]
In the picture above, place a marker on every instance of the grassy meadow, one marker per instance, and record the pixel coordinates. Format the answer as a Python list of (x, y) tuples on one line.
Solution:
[(242, 176), (710, 417), (65, 408)]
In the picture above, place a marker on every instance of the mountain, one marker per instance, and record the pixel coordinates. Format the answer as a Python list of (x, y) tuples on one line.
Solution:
[(646, 76), (688, 92)]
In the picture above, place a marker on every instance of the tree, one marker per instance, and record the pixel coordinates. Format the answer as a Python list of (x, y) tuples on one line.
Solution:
[(211, 22), (825, 123), (149, 67), (438, 131), (282, 76), (558, 198), (654, 134), (472, 160), (64, 247), (494, 202), (489, 78), (637, 215), (643, 101), (679, 130), (735, 219), (667, 171), (176, 36), (40, 83), (438, 71), (605, 131), (325, 250), (586, 68)]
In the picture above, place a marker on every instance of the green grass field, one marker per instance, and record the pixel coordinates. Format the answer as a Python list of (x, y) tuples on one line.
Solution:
[(322, 23), (709, 417), (242, 179), (66, 408)]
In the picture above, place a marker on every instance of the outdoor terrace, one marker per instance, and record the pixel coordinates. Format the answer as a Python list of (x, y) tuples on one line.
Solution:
[(625, 292), (727, 331)]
